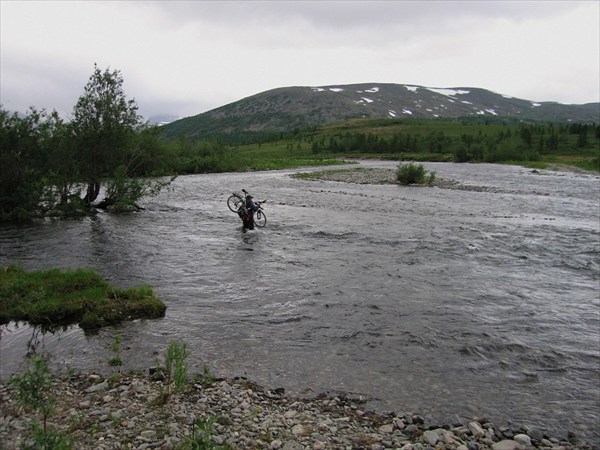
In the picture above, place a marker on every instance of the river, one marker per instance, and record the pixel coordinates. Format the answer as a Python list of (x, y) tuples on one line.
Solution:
[(481, 301)]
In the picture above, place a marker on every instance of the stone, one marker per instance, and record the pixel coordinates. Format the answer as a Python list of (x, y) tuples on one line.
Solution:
[(148, 434), (430, 437), (448, 437), (290, 414), (411, 430), (97, 387), (386, 429), (399, 423), (225, 387), (506, 444), (535, 434), (523, 440), (476, 429), (318, 437), (293, 446), (472, 445), (455, 421)]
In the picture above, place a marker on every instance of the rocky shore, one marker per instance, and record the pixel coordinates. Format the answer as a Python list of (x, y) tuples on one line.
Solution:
[(133, 412), (375, 176), (388, 176)]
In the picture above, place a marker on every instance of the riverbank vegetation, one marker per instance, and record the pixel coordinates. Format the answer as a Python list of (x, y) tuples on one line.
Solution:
[(34, 393), (50, 167), (106, 157), (55, 298), (411, 173)]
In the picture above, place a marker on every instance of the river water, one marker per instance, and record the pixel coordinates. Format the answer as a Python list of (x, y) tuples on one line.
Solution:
[(481, 301)]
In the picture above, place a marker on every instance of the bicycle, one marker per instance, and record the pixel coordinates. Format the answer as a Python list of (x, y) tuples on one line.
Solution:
[(260, 218), (237, 201)]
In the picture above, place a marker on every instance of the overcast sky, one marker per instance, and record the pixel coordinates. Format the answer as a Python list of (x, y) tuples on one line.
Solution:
[(182, 58)]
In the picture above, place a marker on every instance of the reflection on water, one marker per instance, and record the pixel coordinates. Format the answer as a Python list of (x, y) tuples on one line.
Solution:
[(480, 302)]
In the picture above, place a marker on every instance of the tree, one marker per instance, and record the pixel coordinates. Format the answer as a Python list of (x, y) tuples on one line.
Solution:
[(104, 123), (47, 164), (21, 163)]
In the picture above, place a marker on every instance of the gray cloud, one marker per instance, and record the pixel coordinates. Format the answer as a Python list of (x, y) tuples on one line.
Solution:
[(183, 58), (356, 14)]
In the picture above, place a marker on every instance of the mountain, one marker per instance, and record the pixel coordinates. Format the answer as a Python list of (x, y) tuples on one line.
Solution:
[(290, 108)]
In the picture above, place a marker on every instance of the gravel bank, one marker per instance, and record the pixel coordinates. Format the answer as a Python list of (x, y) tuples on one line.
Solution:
[(126, 412), (388, 176), (371, 176)]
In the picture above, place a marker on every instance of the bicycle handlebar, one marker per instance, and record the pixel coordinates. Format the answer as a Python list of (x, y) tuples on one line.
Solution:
[(247, 193)]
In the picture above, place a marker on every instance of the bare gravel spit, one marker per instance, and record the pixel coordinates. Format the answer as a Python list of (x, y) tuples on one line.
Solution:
[(384, 176), (131, 412), (370, 176)]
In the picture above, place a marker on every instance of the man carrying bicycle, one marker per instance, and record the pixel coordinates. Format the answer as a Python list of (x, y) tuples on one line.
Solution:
[(246, 213)]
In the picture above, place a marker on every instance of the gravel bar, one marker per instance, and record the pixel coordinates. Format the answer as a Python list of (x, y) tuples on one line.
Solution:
[(131, 412)]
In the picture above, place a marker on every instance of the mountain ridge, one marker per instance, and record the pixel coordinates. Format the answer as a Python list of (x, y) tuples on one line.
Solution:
[(297, 107)]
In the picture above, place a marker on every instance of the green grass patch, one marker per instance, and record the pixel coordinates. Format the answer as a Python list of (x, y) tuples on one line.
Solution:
[(55, 298)]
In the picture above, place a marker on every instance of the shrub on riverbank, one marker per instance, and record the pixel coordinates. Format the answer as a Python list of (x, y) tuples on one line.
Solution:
[(414, 174), (34, 394), (54, 298)]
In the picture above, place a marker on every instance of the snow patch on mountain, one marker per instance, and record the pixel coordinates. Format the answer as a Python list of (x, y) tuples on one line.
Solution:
[(448, 92)]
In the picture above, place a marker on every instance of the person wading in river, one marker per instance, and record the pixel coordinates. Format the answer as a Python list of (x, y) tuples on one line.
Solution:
[(246, 213)]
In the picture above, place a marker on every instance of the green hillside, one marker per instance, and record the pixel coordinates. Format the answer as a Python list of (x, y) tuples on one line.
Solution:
[(298, 108)]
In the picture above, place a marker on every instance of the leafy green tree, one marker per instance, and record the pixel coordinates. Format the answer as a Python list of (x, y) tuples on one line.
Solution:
[(104, 123), (61, 171), (21, 163)]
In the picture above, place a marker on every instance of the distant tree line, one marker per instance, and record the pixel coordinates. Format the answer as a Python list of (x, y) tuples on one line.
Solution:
[(523, 142)]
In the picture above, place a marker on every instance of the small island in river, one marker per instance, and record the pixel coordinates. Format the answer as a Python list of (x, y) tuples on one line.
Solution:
[(53, 299)]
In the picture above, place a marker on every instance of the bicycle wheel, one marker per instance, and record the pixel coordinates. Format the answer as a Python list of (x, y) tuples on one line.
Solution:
[(260, 219), (234, 202)]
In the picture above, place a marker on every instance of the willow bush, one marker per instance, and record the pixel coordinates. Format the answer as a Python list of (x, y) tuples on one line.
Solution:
[(410, 173)]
